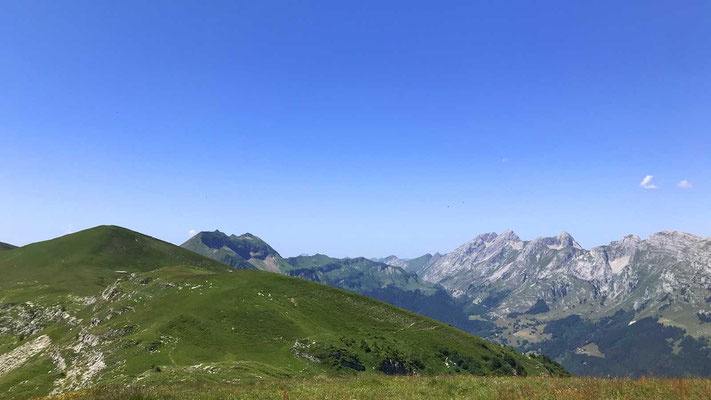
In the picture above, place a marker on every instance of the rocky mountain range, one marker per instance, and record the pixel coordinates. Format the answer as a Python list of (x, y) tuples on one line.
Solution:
[(525, 286), (668, 273)]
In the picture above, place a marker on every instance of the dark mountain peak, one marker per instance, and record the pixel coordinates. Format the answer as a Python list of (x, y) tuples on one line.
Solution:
[(566, 240), (507, 237), (509, 234), (236, 251), (486, 237)]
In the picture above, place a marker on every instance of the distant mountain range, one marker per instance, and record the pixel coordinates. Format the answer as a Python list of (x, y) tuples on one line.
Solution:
[(635, 307), (111, 306)]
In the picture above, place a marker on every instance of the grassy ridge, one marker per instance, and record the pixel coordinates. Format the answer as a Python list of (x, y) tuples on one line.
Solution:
[(178, 324), (434, 387), (85, 262), (6, 246), (251, 319)]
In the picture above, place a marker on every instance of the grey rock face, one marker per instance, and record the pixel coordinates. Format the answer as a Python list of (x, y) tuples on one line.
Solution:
[(667, 276), (393, 261)]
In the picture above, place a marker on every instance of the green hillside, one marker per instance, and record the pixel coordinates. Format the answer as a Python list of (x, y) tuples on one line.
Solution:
[(175, 316), (359, 274), (6, 246), (85, 262), (392, 285), (416, 265)]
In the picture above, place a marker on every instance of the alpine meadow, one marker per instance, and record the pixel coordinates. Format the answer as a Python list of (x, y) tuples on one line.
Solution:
[(353, 200)]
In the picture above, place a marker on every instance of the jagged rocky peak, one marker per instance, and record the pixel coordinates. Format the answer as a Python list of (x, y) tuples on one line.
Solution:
[(509, 235), (491, 239), (505, 240), (246, 235), (477, 244), (480, 240), (628, 242), (631, 238), (487, 237), (673, 239), (565, 240), (619, 253), (394, 261)]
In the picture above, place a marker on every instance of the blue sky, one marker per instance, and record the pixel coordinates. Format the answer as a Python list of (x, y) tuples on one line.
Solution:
[(355, 128)]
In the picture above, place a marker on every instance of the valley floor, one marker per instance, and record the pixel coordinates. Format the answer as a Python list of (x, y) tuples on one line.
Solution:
[(432, 387)]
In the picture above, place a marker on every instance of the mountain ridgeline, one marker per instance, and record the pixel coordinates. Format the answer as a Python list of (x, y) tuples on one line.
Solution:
[(242, 252), (112, 306), (631, 308)]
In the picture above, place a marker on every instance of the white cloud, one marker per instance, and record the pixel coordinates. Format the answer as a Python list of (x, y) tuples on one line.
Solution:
[(192, 232), (647, 182), (684, 184), (504, 160)]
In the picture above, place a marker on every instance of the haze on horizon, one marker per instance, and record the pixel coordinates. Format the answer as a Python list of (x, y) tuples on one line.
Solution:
[(356, 128)]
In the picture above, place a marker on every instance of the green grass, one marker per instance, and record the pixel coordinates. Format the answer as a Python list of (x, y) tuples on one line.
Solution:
[(251, 319), (6, 246), (431, 387), (86, 262)]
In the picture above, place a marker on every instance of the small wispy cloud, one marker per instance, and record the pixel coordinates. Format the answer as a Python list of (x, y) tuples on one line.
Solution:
[(192, 232), (647, 182), (504, 160), (684, 184)]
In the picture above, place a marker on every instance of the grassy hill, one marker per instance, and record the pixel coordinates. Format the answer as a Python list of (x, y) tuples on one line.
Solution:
[(6, 246), (85, 262), (68, 320)]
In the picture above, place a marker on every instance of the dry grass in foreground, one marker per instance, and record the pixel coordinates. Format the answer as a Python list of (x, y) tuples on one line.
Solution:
[(432, 387)]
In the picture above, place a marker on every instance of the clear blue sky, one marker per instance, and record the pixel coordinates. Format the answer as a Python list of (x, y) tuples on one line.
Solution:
[(355, 128)]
